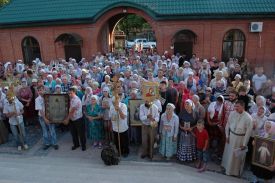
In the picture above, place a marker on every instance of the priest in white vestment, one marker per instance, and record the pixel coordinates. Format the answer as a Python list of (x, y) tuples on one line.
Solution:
[(238, 131)]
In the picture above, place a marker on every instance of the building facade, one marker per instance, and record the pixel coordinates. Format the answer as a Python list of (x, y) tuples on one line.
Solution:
[(240, 28)]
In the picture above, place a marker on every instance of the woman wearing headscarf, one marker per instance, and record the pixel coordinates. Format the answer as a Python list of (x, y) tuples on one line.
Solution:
[(106, 102), (267, 132), (95, 126), (215, 127), (218, 84), (258, 118), (190, 82), (237, 83), (260, 101), (180, 75), (187, 143), (86, 99), (199, 109), (168, 130), (25, 97)]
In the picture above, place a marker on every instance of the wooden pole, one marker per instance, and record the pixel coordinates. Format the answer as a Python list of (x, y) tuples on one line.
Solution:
[(115, 90)]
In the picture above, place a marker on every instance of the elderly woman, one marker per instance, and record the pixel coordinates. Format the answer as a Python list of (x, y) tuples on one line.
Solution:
[(95, 126), (107, 82), (168, 130), (180, 74), (260, 101), (237, 83), (258, 120), (187, 143), (218, 84), (267, 132), (190, 82), (50, 83), (199, 109), (25, 97), (186, 69), (106, 102), (95, 87), (86, 99)]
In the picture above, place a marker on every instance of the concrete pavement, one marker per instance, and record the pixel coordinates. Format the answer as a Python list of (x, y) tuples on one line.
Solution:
[(67, 166)]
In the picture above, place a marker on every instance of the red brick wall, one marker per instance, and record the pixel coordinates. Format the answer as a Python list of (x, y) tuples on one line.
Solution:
[(209, 33)]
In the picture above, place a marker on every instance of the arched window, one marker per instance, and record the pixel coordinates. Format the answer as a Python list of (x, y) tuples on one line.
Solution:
[(183, 42), (72, 45), (233, 45), (30, 49)]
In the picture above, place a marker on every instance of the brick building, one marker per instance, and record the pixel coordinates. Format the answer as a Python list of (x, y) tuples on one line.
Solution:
[(52, 29)]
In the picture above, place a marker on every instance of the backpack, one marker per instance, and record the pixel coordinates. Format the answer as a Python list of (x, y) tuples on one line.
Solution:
[(109, 156)]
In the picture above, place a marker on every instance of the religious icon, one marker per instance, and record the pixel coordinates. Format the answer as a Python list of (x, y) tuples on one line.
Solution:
[(150, 91), (56, 107), (263, 155)]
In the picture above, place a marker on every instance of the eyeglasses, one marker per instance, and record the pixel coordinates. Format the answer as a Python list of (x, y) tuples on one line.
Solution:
[(120, 94)]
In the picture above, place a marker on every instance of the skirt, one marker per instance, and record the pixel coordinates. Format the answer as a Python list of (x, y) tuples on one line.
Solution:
[(186, 147), (95, 130), (167, 148)]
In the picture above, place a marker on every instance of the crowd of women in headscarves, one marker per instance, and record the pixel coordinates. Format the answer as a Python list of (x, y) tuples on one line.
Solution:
[(196, 98)]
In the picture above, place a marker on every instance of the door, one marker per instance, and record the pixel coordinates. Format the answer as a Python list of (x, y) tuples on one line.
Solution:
[(73, 51), (184, 48)]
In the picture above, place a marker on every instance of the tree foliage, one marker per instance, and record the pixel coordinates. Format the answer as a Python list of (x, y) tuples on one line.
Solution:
[(132, 24), (3, 2)]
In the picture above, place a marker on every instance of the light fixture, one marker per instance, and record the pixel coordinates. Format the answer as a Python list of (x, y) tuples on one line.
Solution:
[(172, 47)]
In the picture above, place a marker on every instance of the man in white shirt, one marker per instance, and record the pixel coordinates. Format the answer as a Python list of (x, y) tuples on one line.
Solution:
[(258, 80), (149, 116), (48, 129), (13, 109), (118, 114), (76, 122)]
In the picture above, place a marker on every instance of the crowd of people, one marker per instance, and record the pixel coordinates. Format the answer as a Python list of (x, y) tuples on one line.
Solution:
[(206, 109)]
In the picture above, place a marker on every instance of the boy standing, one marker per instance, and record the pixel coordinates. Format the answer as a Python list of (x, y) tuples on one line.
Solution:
[(202, 145)]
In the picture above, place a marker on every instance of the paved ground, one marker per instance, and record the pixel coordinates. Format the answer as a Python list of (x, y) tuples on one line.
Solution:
[(64, 165)]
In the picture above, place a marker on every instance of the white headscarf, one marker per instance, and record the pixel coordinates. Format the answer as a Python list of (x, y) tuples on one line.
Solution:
[(190, 102), (211, 108)]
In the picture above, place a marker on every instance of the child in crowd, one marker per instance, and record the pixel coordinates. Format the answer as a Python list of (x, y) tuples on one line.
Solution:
[(202, 145)]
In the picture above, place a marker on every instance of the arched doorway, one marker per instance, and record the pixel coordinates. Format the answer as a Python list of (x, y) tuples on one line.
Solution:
[(72, 44), (183, 43), (30, 49), (233, 45), (108, 21)]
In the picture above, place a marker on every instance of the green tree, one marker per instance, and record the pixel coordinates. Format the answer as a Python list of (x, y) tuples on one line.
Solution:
[(132, 24), (3, 2)]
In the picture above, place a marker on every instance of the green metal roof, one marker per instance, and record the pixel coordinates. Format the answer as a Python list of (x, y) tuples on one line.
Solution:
[(35, 12)]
